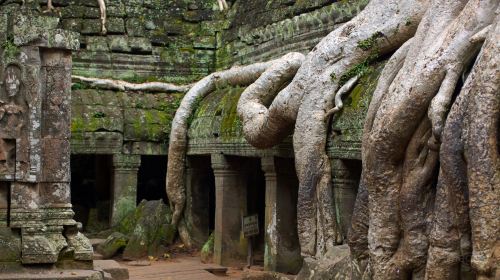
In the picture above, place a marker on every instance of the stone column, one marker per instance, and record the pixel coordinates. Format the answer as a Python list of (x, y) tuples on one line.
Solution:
[(34, 147), (345, 180), (282, 245), (230, 248), (124, 192)]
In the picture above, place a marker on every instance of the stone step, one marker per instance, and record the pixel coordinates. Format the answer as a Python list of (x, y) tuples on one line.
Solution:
[(112, 267), (53, 275)]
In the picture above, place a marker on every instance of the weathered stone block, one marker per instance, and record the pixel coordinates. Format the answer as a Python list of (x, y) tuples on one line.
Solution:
[(116, 271), (55, 160), (115, 25), (23, 196), (118, 43), (40, 31), (56, 107), (134, 8), (72, 24), (112, 245), (91, 27), (73, 11), (10, 245), (58, 193), (97, 44), (140, 45), (91, 12), (205, 42), (152, 231), (197, 15), (3, 27), (57, 58), (116, 10), (135, 27)]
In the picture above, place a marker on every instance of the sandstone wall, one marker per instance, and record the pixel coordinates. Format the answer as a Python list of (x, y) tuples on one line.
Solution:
[(171, 40), (259, 30)]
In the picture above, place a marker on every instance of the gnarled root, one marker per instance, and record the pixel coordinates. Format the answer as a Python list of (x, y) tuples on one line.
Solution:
[(482, 155), (358, 234), (126, 86), (223, 5), (450, 235), (415, 201), (102, 9), (262, 127), (399, 115), (334, 56), (236, 76), (50, 7)]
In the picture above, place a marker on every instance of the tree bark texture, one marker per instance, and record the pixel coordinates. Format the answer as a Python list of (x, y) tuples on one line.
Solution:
[(429, 199)]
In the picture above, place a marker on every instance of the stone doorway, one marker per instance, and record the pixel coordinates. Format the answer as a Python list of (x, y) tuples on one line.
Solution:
[(151, 179), (91, 177), (256, 205), (200, 199)]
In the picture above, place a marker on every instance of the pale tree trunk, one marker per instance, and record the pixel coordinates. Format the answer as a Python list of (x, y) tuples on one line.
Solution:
[(442, 48), (482, 155), (394, 22), (310, 96), (430, 174), (126, 86)]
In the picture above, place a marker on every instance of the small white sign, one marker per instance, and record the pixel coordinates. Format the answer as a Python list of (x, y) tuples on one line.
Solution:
[(250, 225)]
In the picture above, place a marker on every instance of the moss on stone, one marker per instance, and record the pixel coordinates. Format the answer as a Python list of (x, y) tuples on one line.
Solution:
[(112, 245), (207, 251), (149, 230), (216, 115), (10, 50)]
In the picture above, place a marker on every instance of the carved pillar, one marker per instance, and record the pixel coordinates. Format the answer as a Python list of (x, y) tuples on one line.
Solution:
[(35, 115), (282, 245), (345, 180), (230, 206), (124, 192)]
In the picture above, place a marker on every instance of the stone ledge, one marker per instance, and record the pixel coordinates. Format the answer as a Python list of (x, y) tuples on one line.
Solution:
[(53, 275), (117, 271)]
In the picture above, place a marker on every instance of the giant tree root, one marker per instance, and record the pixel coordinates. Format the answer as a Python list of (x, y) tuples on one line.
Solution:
[(340, 52), (262, 126), (236, 76), (448, 47), (412, 219), (482, 154), (126, 86)]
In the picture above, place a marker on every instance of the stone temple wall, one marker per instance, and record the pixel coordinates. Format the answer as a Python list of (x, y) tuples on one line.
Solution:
[(260, 30), (170, 40), (181, 41)]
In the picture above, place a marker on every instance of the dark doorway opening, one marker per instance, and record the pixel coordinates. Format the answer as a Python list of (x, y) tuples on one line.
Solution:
[(256, 204), (345, 190), (91, 190), (151, 179), (200, 198)]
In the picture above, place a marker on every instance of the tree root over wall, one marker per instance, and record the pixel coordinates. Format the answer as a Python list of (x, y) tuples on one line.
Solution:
[(429, 197)]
